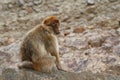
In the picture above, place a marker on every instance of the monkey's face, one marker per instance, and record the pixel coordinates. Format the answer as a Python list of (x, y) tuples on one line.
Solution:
[(53, 22), (55, 25)]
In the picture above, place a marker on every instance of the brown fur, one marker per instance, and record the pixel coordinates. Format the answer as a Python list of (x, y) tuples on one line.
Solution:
[(40, 46)]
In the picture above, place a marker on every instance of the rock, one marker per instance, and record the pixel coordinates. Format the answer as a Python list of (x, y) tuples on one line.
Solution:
[(91, 10), (21, 2), (4, 7), (91, 27), (3, 41), (113, 69), (65, 18), (22, 13), (112, 40), (12, 74), (119, 23), (78, 30), (6, 1), (116, 50), (36, 2), (29, 9), (66, 33), (95, 41), (100, 21), (10, 5), (108, 60), (30, 4), (6, 41), (81, 65), (90, 17), (118, 31), (12, 48), (113, 0), (76, 44), (90, 2), (36, 9), (1, 7), (107, 46), (11, 40), (64, 50)]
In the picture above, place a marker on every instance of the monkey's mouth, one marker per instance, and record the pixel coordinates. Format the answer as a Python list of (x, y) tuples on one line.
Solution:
[(57, 32)]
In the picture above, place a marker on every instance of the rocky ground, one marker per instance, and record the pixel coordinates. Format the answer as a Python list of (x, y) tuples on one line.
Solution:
[(89, 39)]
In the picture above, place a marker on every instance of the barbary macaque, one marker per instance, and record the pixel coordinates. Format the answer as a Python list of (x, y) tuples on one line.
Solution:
[(39, 49)]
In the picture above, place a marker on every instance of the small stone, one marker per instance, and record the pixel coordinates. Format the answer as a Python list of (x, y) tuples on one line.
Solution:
[(10, 6), (95, 40), (66, 33), (119, 23), (29, 9), (22, 13), (118, 31), (36, 9), (90, 2), (66, 18), (90, 10), (5, 7), (36, 2), (116, 50), (11, 40), (21, 2), (108, 60), (79, 30), (1, 7), (90, 27), (3, 41), (6, 1), (57, 4), (29, 4), (90, 17), (106, 46), (113, 0)]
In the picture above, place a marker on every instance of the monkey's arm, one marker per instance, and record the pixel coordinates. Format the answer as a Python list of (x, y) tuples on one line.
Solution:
[(55, 52)]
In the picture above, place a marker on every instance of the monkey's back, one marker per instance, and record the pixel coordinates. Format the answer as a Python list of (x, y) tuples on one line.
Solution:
[(25, 50), (33, 44)]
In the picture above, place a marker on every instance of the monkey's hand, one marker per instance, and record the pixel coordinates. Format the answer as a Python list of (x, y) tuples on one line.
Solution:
[(61, 69)]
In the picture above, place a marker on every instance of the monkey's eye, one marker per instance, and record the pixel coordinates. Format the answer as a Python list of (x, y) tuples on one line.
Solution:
[(54, 24)]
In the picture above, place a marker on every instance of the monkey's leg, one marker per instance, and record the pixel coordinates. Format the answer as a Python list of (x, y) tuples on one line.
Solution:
[(48, 63), (58, 64), (44, 63), (25, 64)]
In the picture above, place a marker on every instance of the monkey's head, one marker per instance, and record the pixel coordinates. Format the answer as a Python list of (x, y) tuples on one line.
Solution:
[(53, 22)]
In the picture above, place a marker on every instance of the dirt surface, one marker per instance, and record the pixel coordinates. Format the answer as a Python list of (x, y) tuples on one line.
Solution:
[(90, 31)]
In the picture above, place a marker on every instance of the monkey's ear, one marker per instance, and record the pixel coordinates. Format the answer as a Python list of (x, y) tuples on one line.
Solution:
[(46, 22), (49, 20)]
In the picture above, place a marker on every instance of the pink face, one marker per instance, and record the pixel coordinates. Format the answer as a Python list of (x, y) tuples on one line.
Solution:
[(55, 25)]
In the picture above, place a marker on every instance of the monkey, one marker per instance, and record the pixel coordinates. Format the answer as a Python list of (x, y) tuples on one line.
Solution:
[(40, 49)]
